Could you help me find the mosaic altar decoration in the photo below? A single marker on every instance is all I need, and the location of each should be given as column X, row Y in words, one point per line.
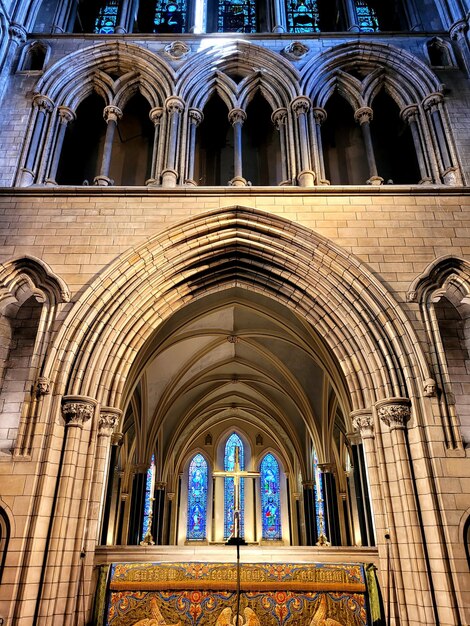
column 204, row 594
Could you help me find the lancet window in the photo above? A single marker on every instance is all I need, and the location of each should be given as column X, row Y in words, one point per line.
column 303, row 16
column 367, row 16
column 236, row 16
column 149, row 494
column 318, row 491
column 197, row 498
column 233, row 442
column 106, row 18
column 270, row 498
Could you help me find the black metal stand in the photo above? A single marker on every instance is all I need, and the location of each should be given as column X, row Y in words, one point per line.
column 237, row 541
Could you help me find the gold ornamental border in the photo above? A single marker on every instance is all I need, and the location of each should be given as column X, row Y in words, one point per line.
column 211, row 585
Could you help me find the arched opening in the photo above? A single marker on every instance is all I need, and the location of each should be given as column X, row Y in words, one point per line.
column 260, row 146
column 34, row 58
column 214, row 145
column 83, row 144
column 394, row 149
column 343, row 146
column 466, row 540
column 19, row 323
column 438, row 52
column 132, row 146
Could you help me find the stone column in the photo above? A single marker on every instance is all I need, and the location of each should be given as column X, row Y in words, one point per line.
column 309, row 512
column 63, row 16
column 108, row 517
column 62, row 549
column 410, row 114
column 195, row 118
column 174, row 108
column 111, row 115
column 459, row 33
column 155, row 116
column 279, row 12
column 301, row 107
column 364, row 116
column 137, row 504
column 351, row 16
column 331, row 503
column 279, row 119
column 42, row 109
column 158, row 512
column 65, row 116
column 17, row 36
column 441, row 137
column 395, row 413
column 320, row 115
column 127, row 10
column 237, row 117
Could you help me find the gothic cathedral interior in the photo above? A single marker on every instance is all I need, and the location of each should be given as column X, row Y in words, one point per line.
column 235, row 312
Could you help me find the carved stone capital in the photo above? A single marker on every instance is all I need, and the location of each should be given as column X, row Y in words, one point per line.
column 174, row 105
column 327, row 468
column 236, row 116
column 364, row 115
column 43, row 386
column 308, row 484
column 319, row 115
column 170, row 495
column 279, row 118
column 409, row 114
column 112, row 113
column 17, row 33
column 177, row 50
column 109, row 417
column 66, row 115
column 77, row 410
column 433, row 101
column 117, row 439
column 160, row 486
column 295, row 50
column 363, row 422
column 300, row 105
column 395, row 412
column 140, row 468
column 196, row 116
column 43, row 103
column 155, row 115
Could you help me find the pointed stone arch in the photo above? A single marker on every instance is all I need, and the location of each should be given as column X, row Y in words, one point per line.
column 350, row 308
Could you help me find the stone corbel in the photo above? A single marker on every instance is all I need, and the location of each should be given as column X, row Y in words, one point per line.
column 77, row 410
column 394, row 412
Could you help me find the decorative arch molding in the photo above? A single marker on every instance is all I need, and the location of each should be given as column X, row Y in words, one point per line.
column 438, row 275
column 272, row 72
column 43, row 282
column 350, row 308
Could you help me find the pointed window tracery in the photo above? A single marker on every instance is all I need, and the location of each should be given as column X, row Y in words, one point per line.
column 229, row 496
column 197, row 498
column 270, row 498
column 303, row 16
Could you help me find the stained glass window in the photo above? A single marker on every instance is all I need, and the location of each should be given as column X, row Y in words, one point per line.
column 170, row 17
column 367, row 16
column 197, row 498
column 229, row 496
column 106, row 18
column 236, row 16
column 319, row 504
column 149, row 487
column 302, row 16
column 270, row 498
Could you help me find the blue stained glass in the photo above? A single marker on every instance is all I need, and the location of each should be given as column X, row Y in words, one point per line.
column 197, row 498
column 302, row 16
column 366, row 16
column 270, row 498
column 229, row 496
column 170, row 17
column 106, row 19
column 319, row 504
column 149, row 483
column 236, row 16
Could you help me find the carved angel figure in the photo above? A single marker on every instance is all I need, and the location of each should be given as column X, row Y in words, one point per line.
column 156, row 618
column 225, row 618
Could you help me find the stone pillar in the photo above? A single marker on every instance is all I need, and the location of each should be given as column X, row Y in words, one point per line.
column 111, row 115
column 309, row 512
column 410, row 114
column 441, row 134
column 361, row 485
column 63, row 16
column 174, row 108
column 195, row 118
column 171, row 534
column 65, row 116
column 331, row 504
column 364, row 116
column 237, row 117
column 108, row 521
column 62, row 547
column 158, row 512
column 127, row 11
column 137, row 504
column 17, row 37
column 155, row 169
column 459, row 33
column 279, row 119
column 319, row 115
column 351, row 16
column 395, row 413
column 42, row 109
column 279, row 14
column 301, row 107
